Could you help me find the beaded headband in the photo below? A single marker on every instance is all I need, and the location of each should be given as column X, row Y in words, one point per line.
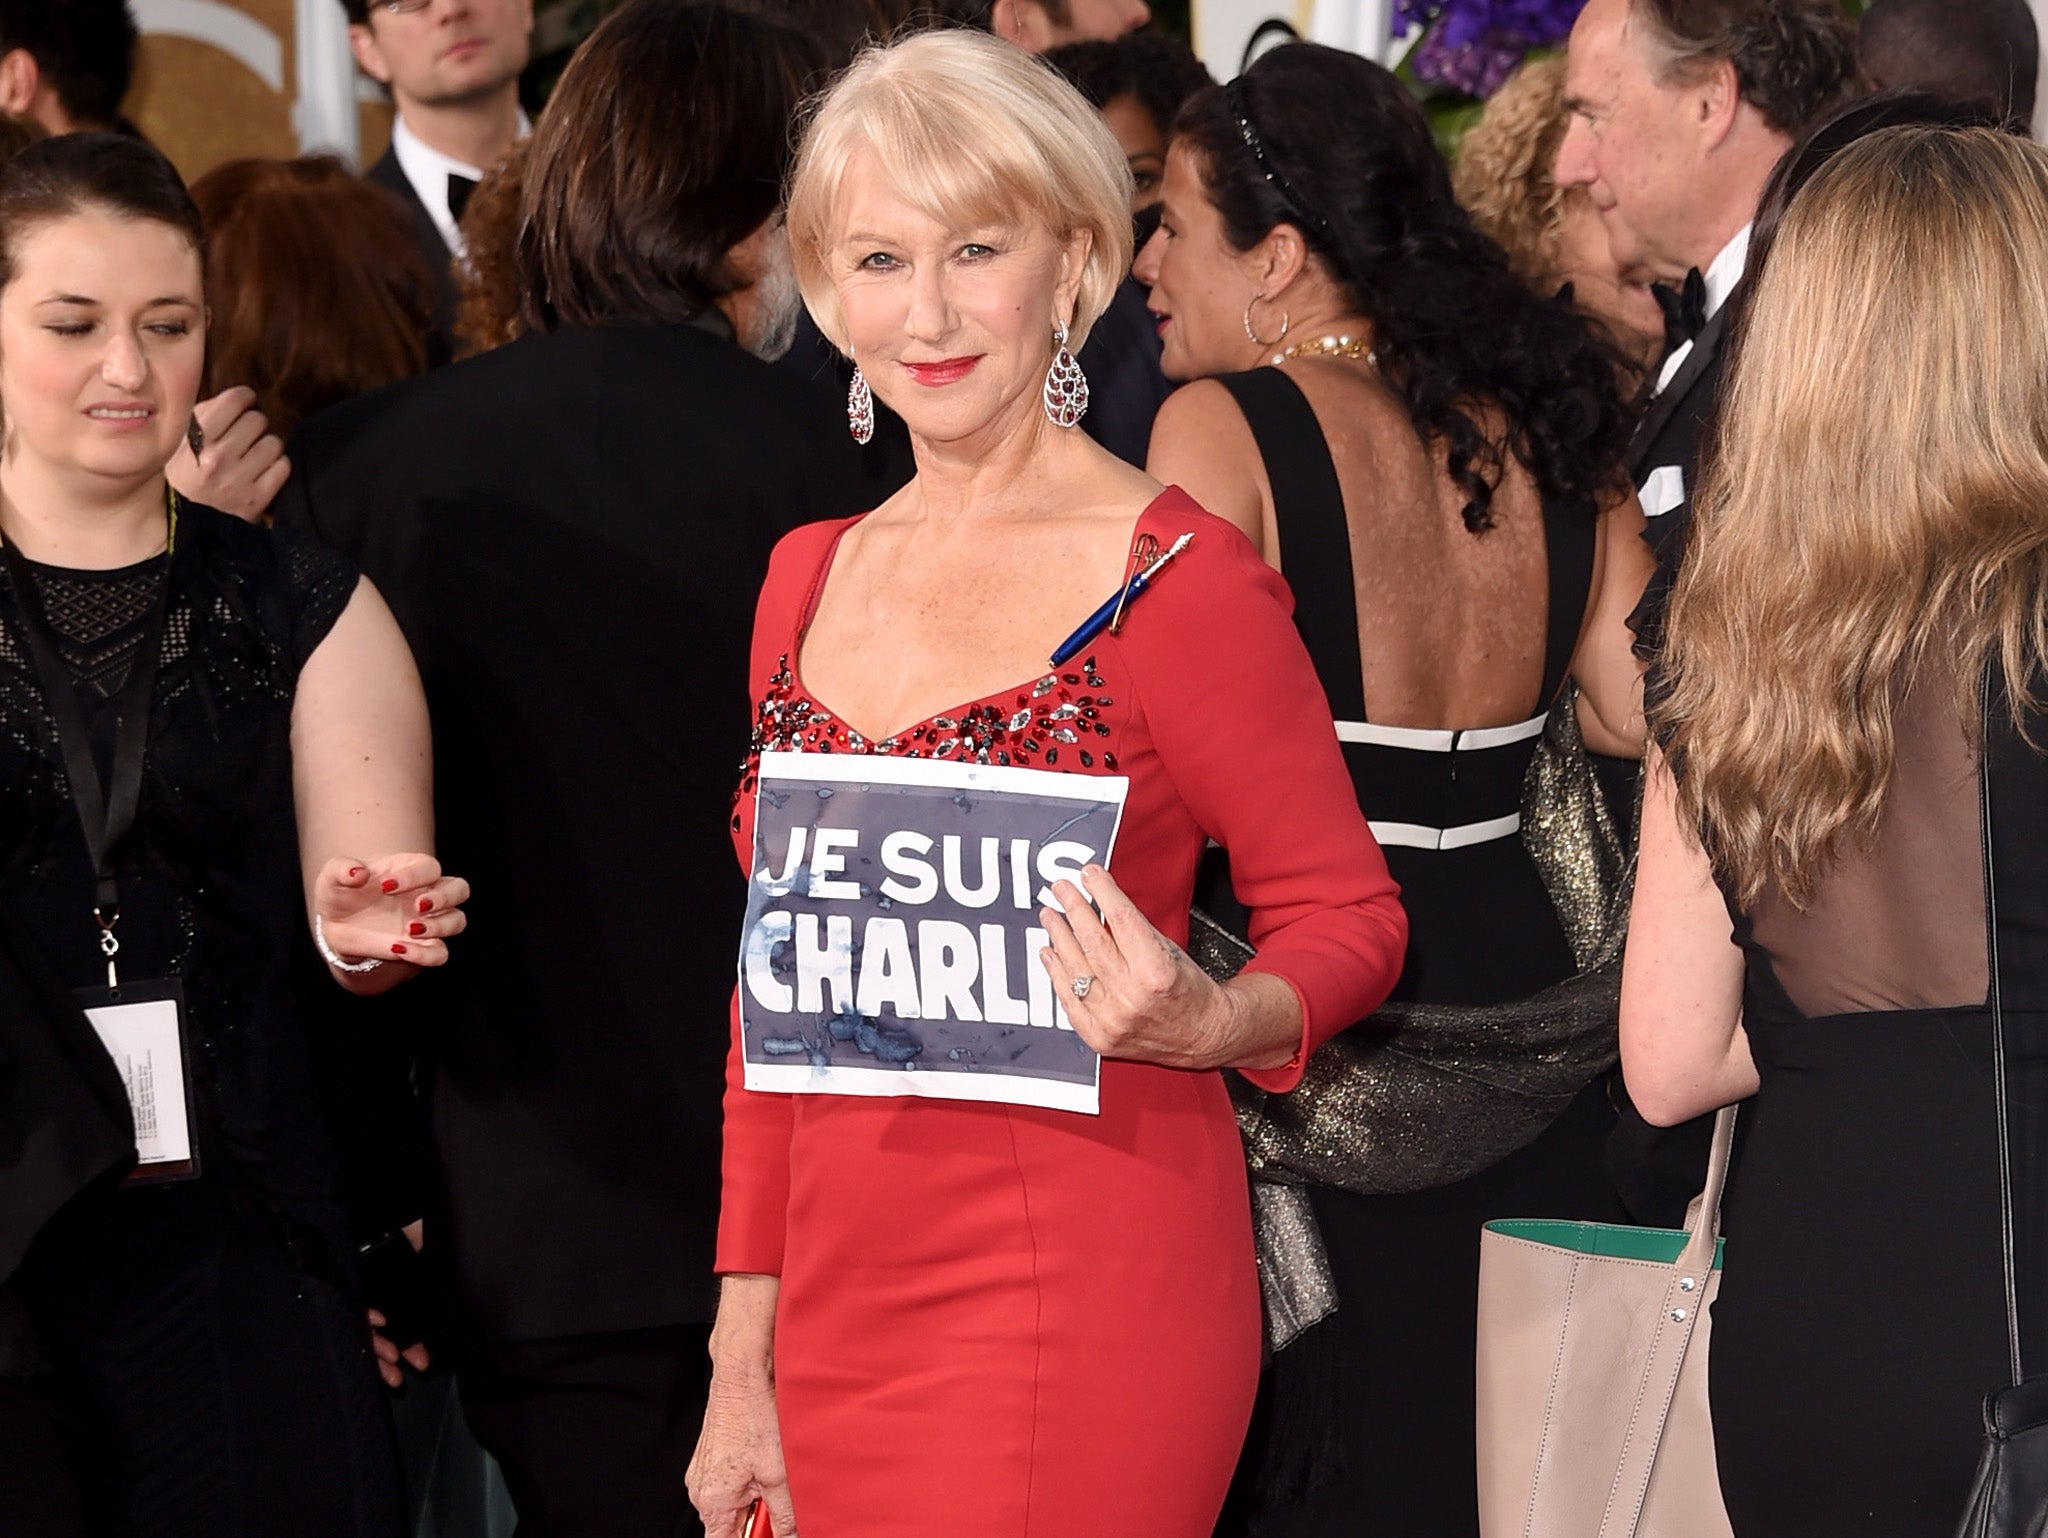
column 1234, row 95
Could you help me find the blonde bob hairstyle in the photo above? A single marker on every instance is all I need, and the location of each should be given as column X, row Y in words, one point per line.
column 972, row 132
column 1879, row 503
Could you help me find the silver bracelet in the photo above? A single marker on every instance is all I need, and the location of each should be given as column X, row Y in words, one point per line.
column 327, row 952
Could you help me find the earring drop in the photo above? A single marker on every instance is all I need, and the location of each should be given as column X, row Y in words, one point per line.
column 1066, row 387
column 860, row 408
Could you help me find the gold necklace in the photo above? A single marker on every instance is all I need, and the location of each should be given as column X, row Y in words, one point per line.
column 1341, row 345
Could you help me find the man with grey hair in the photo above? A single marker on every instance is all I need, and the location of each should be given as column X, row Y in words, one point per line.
column 1680, row 110
column 1985, row 51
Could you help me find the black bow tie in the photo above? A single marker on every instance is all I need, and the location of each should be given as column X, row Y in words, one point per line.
column 1685, row 310
column 459, row 189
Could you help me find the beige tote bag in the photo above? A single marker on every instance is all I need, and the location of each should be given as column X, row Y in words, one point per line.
column 1593, row 1415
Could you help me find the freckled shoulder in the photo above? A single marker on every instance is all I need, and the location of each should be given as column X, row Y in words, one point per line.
column 1201, row 441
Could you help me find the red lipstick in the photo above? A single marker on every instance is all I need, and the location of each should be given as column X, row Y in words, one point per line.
column 946, row 371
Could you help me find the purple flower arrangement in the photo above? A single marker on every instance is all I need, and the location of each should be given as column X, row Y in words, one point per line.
column 1474, row 45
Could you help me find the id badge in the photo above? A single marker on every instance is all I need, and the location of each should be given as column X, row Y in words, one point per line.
column 142, row 1026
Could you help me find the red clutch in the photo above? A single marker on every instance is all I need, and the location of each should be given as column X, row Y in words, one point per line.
column 756, row 1525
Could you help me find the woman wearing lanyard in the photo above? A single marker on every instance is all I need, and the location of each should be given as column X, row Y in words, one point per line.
column 213, row 741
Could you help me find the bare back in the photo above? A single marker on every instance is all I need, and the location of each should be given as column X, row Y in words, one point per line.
column 1452, row 624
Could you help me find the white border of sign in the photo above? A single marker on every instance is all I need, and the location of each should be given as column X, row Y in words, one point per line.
column 847, row 769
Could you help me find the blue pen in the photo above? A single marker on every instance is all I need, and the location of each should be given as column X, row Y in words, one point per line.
column 1122, row 598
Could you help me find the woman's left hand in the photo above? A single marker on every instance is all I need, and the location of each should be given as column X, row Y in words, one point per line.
column 1145, row 1000
column 241, row 465
column 397, row 908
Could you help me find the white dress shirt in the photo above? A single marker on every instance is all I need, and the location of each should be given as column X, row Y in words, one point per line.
column 428, row 170
column 1664, row 487
column 1721, row 276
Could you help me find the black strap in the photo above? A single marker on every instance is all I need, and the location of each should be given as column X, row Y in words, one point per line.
column 106, row 819
column 2012, row 1301
column 1315, row 542
column 1571, row 537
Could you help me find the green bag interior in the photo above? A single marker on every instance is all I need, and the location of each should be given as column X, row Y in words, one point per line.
column 1663, row 1245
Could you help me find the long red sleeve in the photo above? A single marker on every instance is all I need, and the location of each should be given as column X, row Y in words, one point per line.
column 1229, row 695
column 754, row 1168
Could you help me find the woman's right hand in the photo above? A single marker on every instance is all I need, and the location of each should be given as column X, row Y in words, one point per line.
column 739, row 1461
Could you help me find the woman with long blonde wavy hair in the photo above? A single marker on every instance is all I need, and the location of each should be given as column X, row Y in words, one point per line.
column 1858, row 635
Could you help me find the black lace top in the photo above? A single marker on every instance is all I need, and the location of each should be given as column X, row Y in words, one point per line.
column 210, row 882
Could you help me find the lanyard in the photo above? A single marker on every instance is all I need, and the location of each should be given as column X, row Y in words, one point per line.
column 106, row 817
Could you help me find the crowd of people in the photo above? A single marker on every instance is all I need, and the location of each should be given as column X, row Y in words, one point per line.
column 436, row 603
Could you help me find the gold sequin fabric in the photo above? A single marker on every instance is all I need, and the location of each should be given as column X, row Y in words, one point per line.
column 1424, row 1095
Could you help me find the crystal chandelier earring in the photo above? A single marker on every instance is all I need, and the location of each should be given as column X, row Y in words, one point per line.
column 1066, row 387
column 860, row 408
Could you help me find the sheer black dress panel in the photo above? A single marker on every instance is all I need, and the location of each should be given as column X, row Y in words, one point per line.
column 1861, row 1317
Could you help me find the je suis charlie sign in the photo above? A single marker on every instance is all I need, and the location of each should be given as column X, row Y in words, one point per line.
column 892, row 935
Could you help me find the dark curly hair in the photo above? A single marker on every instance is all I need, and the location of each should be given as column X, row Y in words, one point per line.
column 1794, row 59
column 1161, row 71
column 1484, row 365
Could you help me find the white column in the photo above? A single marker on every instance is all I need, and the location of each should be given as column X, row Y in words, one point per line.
column 1224, row 28
column 1362, row 26
column 325, row 112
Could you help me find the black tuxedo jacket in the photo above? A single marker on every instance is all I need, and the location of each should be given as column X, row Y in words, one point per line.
column 1672, row 435
column 1656, row 1171
column 387, row 172
column 572, row 531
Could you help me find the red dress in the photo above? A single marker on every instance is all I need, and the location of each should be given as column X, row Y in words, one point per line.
column 1006, row 1322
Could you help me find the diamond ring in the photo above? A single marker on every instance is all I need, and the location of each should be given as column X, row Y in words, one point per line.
column 1082, row 984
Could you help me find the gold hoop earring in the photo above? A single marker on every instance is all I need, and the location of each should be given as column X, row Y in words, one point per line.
column 1252, row 333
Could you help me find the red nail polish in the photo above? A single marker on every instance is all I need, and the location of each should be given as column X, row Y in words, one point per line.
column 418, row 929
column 398, row 950
column 355, row 872
column 426, row 905
column 391, row 886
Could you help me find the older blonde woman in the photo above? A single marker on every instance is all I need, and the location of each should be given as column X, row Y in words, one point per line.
column 1826, row 747
column 949, row 1303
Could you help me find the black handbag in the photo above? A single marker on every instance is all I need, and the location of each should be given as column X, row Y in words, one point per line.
column 2009, row 1498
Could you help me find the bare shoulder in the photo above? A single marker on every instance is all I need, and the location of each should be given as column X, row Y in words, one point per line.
column 1191, row 417
column 1202, row 443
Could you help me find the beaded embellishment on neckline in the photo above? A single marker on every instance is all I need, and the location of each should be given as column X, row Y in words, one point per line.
column 1053, row 722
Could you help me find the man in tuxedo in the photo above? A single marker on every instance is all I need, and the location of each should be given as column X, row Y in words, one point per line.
column 572, row 530
column 66, row 64
column 452, row 67
column 1679, row 111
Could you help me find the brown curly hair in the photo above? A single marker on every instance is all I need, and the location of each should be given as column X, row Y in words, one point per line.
column 488, row 274
column 1503, row 170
